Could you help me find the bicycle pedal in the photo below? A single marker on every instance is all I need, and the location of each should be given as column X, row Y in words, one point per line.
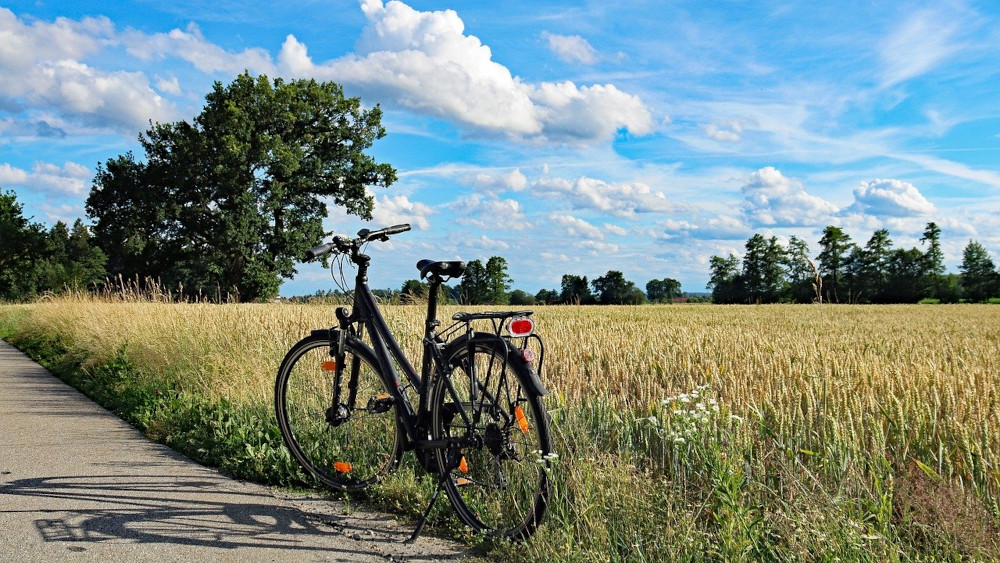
column 463, row 482
column 380, row 403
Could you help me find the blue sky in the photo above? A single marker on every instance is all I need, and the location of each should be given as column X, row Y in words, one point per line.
column 567, row 137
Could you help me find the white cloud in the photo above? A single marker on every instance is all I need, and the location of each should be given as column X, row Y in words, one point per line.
column 169, row 85
column 399, row 209
column 721, row 227
column 576, row 227
column 490, row 214
column 11, row 176
column 571, row 48
column 512, row 181
column 892, row 198
column 622, row 200
column 615, row 229
column 729, row 132
column 192, row 46
column 922, row 41
column 47, row 58
column 771, row 199
column 70, row 179
column 426, row 62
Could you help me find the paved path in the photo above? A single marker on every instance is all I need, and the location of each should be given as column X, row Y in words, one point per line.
column 78, row 483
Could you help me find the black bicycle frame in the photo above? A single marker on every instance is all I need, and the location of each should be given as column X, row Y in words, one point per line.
column 366, row 313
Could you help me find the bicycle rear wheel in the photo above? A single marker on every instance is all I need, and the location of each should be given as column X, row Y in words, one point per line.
column 345, row 446
column 497, row 478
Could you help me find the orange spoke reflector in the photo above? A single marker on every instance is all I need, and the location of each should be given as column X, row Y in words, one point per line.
column 463, row 466
column 462, row 481
column 342, row 466
column 329, row 366
column 522, row 420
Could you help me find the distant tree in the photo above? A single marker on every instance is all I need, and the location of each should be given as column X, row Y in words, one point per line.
column 663, row 291
column 932, row 270
column 836, row 247
column 414, row 288
column 763, row 273
column 979, row 275
column 725, row 281
column 73, row 261
column 497, row 281
column 799, row 272
column 547, row 296
column 613, row 289
column 519, row 297
column 234, row 198
column 22, row 245
column 473, row 288
column 874, row 268
column 904, row 272
column 575, row 290
column 485, row 284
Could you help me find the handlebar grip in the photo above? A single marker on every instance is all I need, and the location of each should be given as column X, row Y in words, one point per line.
column 402, row 228
column 317, row 251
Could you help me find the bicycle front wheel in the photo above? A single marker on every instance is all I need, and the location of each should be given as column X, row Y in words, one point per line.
column 497, row 468
column 346, row 445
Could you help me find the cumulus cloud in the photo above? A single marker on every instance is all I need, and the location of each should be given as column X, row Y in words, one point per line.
column 70, row 179
column 47, row 59
column 720, row 227
column 771, row 199
column 512, row 181
column 391, row 210
column 623, row 200
column 191, row 45
column 729, row 132
column 571, row 48
column 489, row 214
column 890, row 198
column 574, row 226
column 426, row 62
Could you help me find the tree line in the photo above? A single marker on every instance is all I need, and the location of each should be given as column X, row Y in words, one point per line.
column 490, row 284
column 846, row 272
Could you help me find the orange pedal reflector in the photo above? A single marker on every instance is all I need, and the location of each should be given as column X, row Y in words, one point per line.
column 462, row 481
column 522, row 420
column 342, row 466
column 463, row 466
column 329, row 366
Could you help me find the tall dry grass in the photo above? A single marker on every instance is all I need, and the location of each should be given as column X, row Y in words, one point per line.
column 849, row 431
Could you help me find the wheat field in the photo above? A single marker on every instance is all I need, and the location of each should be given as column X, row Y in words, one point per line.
column 783, row 432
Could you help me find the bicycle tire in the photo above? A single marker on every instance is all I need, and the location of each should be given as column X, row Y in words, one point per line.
column 501, row 486
column 365, row 446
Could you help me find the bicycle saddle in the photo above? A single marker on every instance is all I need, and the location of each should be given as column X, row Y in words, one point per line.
column 451, row 269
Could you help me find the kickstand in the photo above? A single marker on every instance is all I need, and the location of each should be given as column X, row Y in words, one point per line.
column 427, row 512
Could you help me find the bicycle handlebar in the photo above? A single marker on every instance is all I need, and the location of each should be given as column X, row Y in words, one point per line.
column 343, row 244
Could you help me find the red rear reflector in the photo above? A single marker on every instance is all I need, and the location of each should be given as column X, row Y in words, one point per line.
column 329, row 366
column 522, row 420
column 521, row 326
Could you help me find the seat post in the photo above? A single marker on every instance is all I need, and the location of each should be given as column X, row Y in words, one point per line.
column 434, row 285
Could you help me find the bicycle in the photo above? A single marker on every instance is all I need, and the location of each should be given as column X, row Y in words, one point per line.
column 479, row 422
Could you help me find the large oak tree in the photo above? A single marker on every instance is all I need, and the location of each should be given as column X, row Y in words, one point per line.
column 230, row 201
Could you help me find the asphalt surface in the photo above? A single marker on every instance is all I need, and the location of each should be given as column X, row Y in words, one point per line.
column 78, row 483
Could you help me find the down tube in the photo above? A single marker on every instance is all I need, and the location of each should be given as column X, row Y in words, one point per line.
column 383, row 339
